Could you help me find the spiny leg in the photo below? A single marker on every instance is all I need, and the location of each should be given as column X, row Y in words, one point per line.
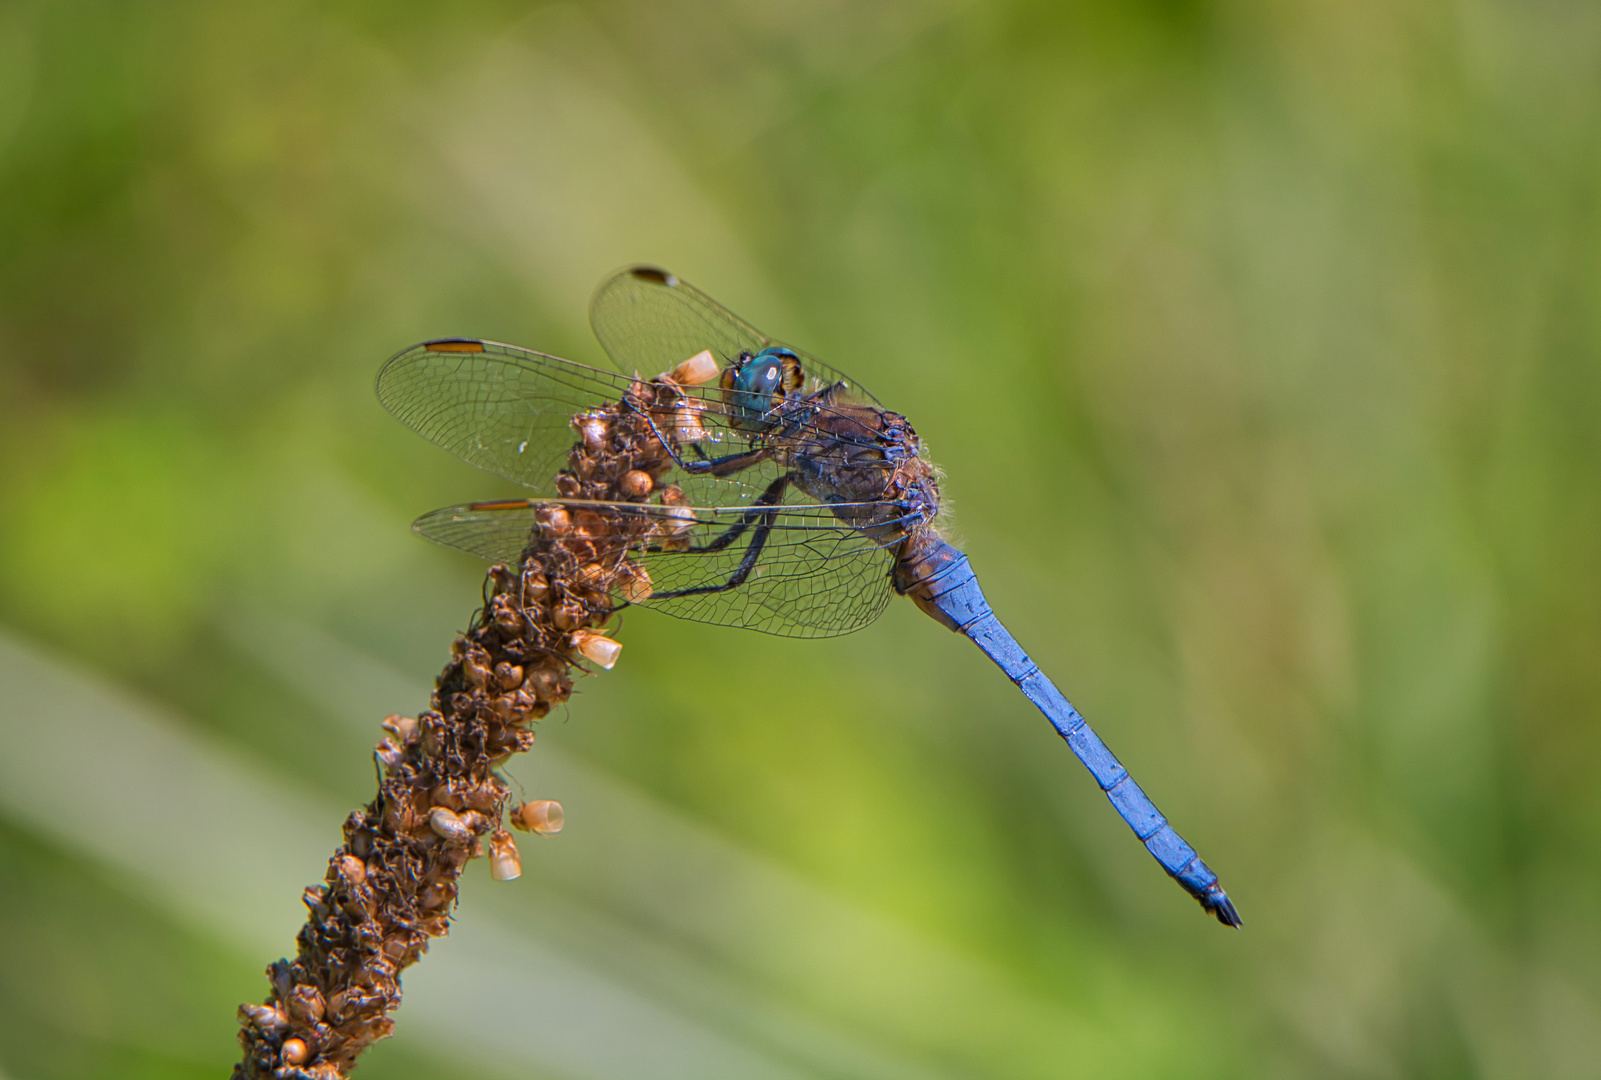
column 726, row 465
column 769, row 509
column 771, row 497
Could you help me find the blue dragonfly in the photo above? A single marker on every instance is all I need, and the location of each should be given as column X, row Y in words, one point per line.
column 785, row 497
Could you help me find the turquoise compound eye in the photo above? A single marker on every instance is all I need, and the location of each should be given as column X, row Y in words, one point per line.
column 754, row 387
column 760, row 378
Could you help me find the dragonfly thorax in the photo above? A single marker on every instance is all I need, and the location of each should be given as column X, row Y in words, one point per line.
column 868, row 464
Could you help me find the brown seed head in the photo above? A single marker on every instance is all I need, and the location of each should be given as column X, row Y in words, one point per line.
column 553, row 520
column 296, row 1052
column 265, row 1017
column 635, row 483
column 353, row 870
column 449, row 826
column 306, row 1005
column 389, row 755
column 509, row 676
column 593, row 430
column 637, row 587
column 569, row 615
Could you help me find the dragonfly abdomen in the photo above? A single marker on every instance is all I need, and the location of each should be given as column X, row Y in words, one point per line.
column 940, row 581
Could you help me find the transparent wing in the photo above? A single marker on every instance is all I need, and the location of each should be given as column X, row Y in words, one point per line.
column 648, row 320
column 805, row 573
column 509, row 410
column 504, row 409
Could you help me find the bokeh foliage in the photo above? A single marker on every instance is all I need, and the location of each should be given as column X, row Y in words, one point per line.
column 1258, row 343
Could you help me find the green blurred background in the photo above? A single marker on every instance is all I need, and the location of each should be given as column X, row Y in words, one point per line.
column 1258, row 343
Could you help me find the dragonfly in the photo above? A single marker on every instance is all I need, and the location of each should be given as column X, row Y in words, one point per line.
column 788, row 500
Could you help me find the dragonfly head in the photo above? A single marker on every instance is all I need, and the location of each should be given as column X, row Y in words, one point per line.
column 756, row 384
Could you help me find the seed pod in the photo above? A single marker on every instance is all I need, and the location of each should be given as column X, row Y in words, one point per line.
column 513, row 707
column 403, row 728
column 593, row 430
column 553, row 520
column 448, row 826
column 696, row 371
column 686, row 423
column 504, row 863
column 483, row 797
column 296, row 1052
column 635, row 483
column 264, row 1017
column 597, row 648
column 436, row 895
column 509, row 622
column 535, row 588
column 353, row 870
column 389, row 755
column 360, row 836
column 306, row 1005
column 509, row 676
column 543, row 816
column 315, row 898
column 569, row 615
column 475, row 668
column 637, row 587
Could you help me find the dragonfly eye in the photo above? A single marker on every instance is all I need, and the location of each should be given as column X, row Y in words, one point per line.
column 755, row 384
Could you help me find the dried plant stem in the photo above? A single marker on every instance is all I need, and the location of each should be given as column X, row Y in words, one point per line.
column 392, row 884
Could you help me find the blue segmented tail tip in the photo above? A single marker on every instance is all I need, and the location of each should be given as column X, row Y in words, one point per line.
column 1218, row 903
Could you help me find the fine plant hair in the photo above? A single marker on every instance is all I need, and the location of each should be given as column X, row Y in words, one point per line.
column 391, row 886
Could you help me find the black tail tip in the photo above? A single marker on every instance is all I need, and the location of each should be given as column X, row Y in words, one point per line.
column 1222, row 907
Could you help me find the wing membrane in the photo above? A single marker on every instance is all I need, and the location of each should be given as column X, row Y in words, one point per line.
column 814, row 576
column 648, row 320
column 509, row 411
column 504, row 409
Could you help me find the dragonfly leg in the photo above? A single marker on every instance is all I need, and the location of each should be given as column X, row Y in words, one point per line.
column 726, row 465
column 771, row 497
column 765, row 509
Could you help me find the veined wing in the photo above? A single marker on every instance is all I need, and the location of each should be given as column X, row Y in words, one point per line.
column 509, row 410
column 504, row 409
column 812, row 575
column 648, row 320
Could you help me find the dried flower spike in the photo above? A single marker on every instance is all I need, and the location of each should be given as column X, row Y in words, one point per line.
column 389, row 887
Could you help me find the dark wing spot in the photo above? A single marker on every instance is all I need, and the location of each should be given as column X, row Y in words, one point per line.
column 454, row 344
column 653, row 274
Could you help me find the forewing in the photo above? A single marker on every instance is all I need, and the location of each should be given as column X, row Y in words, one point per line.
column 650, row 321
column 499, row 407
